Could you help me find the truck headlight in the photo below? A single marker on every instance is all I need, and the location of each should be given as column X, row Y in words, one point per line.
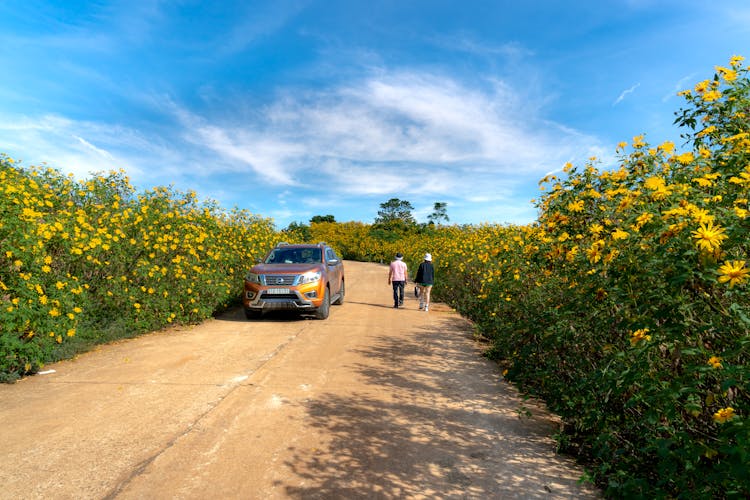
column 253, row 278
column 310, row 277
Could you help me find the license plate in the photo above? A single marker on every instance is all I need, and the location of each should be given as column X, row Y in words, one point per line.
column 278, row 291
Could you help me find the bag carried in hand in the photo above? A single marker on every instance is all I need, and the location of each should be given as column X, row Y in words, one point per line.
column 416, row 291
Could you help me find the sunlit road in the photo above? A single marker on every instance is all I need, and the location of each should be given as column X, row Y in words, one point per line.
column 371, row 403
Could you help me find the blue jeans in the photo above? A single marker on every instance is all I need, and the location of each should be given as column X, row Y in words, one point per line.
column 398, row 292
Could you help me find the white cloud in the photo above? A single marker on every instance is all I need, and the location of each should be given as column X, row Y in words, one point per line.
column 98, row 151
column 419, row 136
column 264, row 155
column 625, row 93
column 59, row 142
column 403, row 132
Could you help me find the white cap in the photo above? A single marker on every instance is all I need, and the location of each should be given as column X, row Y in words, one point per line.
column 427, row 257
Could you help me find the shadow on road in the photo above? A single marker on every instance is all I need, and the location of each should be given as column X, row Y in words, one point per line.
column 386, row 306
column 237, row 314
column 448, row 427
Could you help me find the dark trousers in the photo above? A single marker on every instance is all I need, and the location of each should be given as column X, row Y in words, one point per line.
column 398, row 292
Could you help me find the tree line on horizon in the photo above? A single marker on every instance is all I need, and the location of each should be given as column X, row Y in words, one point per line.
column 395, row 217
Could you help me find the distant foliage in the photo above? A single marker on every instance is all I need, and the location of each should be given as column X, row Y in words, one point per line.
column 86, row 262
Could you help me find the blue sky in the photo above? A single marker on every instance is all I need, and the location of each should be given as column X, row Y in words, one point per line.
column 295, row 108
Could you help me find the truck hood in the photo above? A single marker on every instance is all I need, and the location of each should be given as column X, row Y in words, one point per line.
column 285, row 268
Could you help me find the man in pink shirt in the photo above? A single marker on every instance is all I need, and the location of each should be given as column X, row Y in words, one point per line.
column 397, row 278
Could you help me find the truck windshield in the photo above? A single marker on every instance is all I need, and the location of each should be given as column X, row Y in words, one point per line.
column 294, row 256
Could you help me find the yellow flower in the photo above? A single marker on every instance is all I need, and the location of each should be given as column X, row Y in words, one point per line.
column 724, row 415
column 708, row 130
column 709, row 237
column 685, row 158
column 654, row 183
column 736, row 60
column 728, row 74
column 667, row 147
column 619, row 234
column 703, row 182
column 700, row 215
column 712, row 95
column 576, row 206
column 744, row 178
column 733, row 271
column 643, row 219
column 639, row 335
column 701, row 87
column 715, row 361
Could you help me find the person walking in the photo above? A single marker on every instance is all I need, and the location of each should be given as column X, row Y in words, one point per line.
column 397, row 278
column 425, row 278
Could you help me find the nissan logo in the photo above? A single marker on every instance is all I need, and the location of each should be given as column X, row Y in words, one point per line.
column 279, row 281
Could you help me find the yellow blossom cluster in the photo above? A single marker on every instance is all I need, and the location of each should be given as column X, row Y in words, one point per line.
column 715, row 361
column 639, row 336
column 95, row 249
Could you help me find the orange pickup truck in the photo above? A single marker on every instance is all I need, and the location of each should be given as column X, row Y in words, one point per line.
column 304, row 278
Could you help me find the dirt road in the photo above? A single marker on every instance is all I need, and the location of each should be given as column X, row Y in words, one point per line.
column 372, row 403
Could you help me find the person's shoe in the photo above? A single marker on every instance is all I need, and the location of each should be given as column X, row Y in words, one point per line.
column 421, row 306
column 400, row 302
column 426, row 308
column 395, row 306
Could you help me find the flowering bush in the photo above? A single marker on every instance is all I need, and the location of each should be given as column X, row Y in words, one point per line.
column 84, row 262
column 627, row 310
column 626, row 305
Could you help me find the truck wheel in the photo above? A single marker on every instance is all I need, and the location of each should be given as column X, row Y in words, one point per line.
column 322, row 311
column 340, row 299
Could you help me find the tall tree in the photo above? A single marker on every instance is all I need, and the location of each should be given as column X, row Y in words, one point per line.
column 439, row 213
column 395, row 212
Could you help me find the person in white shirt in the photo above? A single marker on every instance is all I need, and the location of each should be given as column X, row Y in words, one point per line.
column 425, row 279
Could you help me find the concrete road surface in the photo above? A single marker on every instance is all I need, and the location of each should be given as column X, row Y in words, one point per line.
column 372, row 403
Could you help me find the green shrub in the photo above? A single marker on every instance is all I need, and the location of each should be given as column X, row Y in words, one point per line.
column 87, row 262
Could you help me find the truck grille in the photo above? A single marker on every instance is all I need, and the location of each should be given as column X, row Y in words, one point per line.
column 279, row 279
